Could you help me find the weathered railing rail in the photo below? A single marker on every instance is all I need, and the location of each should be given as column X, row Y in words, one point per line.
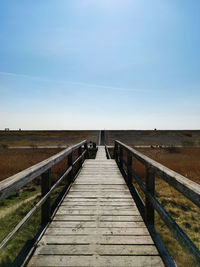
column 188, row 188
column 15, row 182
column 107, row 152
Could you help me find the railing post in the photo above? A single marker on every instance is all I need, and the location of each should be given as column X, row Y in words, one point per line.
column 129, row 167
column 115, row 152
column 45, row 187
column 86, row 148
column 150, row 187
column 121, row 156
column 79, row 154
column 71, row 174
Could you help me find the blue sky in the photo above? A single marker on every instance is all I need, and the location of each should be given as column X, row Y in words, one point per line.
column 95, row 64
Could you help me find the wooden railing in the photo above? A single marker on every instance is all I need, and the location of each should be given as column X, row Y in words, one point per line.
column 107, row 152
column 186, row 187
column 15, row 182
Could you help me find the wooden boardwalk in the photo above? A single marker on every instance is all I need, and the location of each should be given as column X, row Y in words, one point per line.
column 97, row 224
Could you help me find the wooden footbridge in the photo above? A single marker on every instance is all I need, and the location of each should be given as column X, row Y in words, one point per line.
column 100, row 220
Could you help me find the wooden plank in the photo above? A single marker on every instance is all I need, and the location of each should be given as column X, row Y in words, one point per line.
column 99, row 249
column 102, row 218
column 107, row 201
column 100, row 231
column 98, row 224
column 81, row 190
column 105, row 240
column 73, row 224
column 125, row 200
column 115, row 261
column 128, row 197
column 64, row 211
column 99, row 186
column 128, row 261
column 99, row 194
column 100, row 182
column 92, row 201
column 104, row 206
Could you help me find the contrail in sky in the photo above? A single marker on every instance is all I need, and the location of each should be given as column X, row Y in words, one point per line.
column 74, row 83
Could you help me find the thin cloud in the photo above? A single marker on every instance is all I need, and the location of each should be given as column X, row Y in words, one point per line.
column 108, row 87
column 11, row 74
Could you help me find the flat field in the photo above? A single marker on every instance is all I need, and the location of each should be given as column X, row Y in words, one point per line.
column 13, row 161
column 185, row 161
column 46, row 138
column 151, row 137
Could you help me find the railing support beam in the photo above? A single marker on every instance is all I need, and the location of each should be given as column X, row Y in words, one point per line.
column 79, row 154
column 121, row 157
column 71, row 174
column 46, row 207
column 116, row 152
column 129, row 167
column 87, row 153
column 150, row 187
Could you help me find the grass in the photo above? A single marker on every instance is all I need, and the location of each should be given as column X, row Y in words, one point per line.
column 151, row 137
column 16, row 160
column 25, row 194
column 183, row 160
column 186, row 214
column 27, row 233
column 20, row 161
column 45, row 138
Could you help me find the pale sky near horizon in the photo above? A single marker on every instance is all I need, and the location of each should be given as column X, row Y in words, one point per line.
column 100, row 64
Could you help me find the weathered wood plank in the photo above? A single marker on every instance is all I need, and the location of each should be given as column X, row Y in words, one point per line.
column 108, row 207
column 98, row 224
column 100, row 231
column 109, row 190
column 64, row 211
column 117, row 250
column 95, row 186
column 115, row 261
column 102, row 218
column 107, row 201
column 105, row 240
column 93, row 224
column 102, row 203
column 103, row 181
column 99, row 194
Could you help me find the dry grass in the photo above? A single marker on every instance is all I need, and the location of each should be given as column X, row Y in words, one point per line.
column 151, row 137
column 186, row 162
column 15, row 160
column 46, row 138
column 21, row 202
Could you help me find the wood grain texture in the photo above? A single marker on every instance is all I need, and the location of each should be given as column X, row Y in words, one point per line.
column 97, row 224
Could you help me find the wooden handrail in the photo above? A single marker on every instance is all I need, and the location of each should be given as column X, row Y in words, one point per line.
column 107, row 152
column 188, row 188
column 15, row 182
column 185, row 186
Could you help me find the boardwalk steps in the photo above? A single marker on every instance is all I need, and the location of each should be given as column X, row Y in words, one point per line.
column 97, row 224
